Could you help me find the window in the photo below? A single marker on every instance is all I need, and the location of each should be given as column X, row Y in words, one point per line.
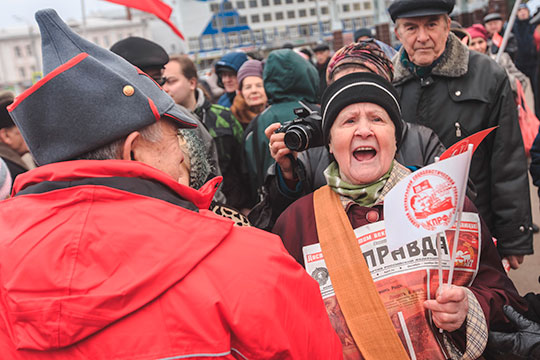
column 267, row 17
column 313, row 12
column 265, row 2
column 300, row 1
column 193, row 43
column 367, row 6
column 291, row 14
column 29, row 51
column 293, row 31
column 214, row 8
column 326, row 27
column 242, row 20
column 255, row 18
column 347, row 24
column 324, row 10
column 252, row 3
column 277, row 2
column 279, row 15
column 356, row 6
column 304, row 30
column 232, row 39
column 227, row 5
column 302, row 13
column 259, row 38
column 246, row 37
column 230, row 21
column 346, row 7
column 288, row 1
column 207, row 42
column 240, row 5
column 22, row 72
column 106, row 41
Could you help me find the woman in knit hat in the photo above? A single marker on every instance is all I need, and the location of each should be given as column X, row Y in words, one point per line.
column 338, row 235
column 251, row 98
column 479, row 42
column 420, row 144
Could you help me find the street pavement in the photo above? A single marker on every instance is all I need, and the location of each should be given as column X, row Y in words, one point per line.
column 526, row 278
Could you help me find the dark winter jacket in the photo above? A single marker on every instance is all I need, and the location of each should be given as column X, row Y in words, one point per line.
column 465, row 93
column 419, row 147
column 288, row 80
column 526, row 55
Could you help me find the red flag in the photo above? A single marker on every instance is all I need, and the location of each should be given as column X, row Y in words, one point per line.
column 461, row 146
column 156, row 7
column 497, row 39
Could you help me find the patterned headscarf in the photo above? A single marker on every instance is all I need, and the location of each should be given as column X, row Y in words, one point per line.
column 366, row 53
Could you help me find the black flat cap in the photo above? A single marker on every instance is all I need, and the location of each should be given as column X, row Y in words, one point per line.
column 414, row 8
column 141, row 52
column 491, row 17
column 321, row 47
column 6, row 98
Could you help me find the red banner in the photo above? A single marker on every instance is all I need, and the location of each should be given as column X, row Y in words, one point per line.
column 461, row 146
column 156, row 7
column 497, row 39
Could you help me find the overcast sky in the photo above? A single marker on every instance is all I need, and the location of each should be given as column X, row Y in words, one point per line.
column 19, row 12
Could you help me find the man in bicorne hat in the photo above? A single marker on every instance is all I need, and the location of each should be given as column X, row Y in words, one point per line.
column 106, row 256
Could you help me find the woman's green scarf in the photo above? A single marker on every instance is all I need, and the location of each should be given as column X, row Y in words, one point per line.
column 363, row 195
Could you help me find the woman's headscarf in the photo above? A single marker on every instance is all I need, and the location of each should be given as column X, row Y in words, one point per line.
column 367, row 54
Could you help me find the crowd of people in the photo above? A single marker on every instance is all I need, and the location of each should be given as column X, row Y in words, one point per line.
column 150, row 213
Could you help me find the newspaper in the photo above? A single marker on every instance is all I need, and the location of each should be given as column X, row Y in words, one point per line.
column 406, row 276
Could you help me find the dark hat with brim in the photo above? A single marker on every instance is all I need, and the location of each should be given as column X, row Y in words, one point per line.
column 360, row 87
column 492, row 17
column 141, row 52
column 89, row 97
column 415, row 8
column 321, row 47
column 6, row 99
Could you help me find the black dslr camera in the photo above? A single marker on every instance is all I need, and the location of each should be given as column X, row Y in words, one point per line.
column 304, row 132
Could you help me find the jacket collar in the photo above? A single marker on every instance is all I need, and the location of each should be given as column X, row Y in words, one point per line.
column 454, row 62
column 73, row 171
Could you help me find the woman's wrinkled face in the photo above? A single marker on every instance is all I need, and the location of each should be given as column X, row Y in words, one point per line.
column 363, row 142
column 478, row 44
column 253, row 91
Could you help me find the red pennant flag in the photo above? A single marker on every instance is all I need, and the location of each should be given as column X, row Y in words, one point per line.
column 156, row 7
column 461, row 146
column 497, row 39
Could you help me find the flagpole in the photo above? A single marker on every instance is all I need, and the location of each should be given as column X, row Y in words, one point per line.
column 460, row 212
column 508, row 30
column 83, row 11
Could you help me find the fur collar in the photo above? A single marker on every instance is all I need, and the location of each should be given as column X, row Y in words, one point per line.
column 455, row 61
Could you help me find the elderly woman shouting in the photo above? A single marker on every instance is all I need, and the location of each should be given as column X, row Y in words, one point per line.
column 382, row 304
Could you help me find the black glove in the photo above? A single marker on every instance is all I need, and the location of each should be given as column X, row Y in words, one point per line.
column 524, row 343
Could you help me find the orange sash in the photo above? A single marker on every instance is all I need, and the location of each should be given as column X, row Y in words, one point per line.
column 356, row 293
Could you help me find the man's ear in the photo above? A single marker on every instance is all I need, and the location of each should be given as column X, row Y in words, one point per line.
column 193, row 84
column 4, row 135
column 131, row 143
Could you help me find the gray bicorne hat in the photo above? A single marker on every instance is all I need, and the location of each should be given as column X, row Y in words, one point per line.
column 89, row 97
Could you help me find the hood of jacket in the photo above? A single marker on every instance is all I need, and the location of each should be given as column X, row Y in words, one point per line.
column 87, row 256
column 455, row 62
column 288, row 77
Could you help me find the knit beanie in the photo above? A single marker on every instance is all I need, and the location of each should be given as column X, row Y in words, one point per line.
column 5, row 180
column 367, row 54
column 360, row 87
column 477, row 31
column 249, row 68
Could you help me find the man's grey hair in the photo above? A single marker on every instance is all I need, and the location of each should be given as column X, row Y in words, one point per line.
column 151, row 133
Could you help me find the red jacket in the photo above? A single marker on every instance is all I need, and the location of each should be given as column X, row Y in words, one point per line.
column 110, row 259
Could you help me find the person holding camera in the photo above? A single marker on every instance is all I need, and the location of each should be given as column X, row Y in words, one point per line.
column 297, row 172
column 290, row 82
column 362, row 128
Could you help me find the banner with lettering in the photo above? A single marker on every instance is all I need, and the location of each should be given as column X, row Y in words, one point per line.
column 405, row 278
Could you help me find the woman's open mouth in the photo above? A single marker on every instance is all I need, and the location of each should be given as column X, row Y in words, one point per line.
column 364, row 153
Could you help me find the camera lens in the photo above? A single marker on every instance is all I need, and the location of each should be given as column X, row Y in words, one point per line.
column 296, row 138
